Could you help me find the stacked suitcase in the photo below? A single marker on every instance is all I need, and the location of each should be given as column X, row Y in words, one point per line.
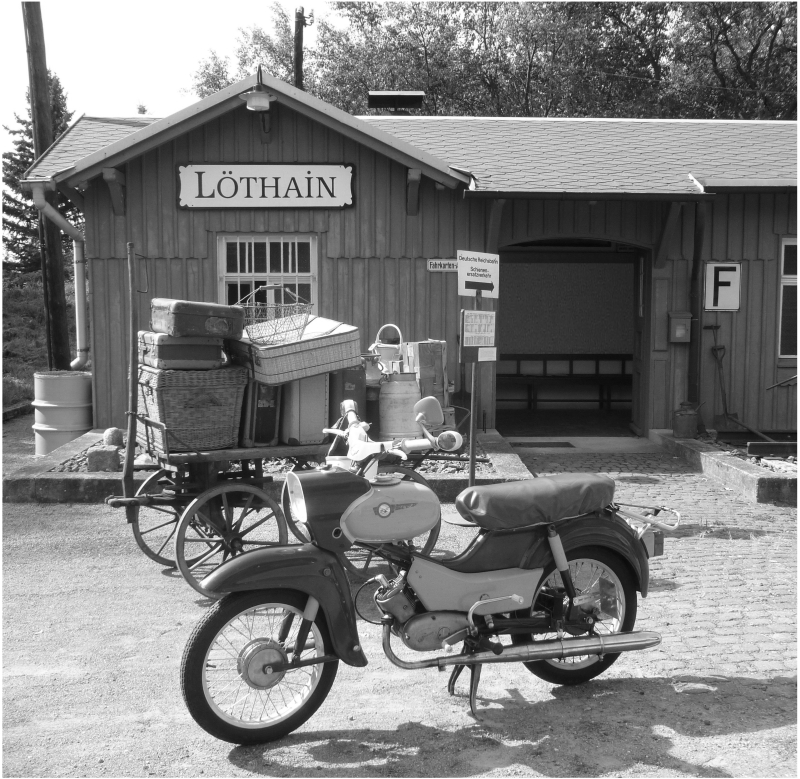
column 184, row 383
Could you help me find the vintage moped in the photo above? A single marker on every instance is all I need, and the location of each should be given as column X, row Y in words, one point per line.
column 550, row 580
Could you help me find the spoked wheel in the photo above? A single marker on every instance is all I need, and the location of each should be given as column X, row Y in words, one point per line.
column 223, row 522
column 363, row 563
column 154, row 526
column 603, row 576
column 233, row 673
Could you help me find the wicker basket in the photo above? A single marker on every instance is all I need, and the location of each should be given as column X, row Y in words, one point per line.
column 201, row 408
column 274, row 324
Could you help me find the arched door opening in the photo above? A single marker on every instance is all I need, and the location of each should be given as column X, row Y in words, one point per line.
column 567, row 333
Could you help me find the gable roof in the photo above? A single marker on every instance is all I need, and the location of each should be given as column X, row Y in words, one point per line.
column 120, row 149
column 637, row 157
column 84, row 136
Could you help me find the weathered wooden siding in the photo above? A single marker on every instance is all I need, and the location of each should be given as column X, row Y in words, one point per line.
column 372, row 269
column 371, row 258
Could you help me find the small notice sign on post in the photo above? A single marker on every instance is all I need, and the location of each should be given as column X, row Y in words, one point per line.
column 477, row 336
column 478, row 272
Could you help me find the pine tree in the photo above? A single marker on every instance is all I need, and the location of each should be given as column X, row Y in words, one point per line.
column 20, row 217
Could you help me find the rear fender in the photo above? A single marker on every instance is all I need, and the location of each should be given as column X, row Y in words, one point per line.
column 305, row 569
column 602, row 529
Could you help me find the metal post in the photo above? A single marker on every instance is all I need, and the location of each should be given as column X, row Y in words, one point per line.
column 473, row 402
column 299, row 23
column 133, row 376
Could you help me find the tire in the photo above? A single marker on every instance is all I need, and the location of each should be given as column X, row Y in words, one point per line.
column 154, row 526
column 224, row 522
column 588, row 565
column 251, row 708
column 362, row 564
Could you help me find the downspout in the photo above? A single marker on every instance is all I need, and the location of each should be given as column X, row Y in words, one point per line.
column 79, row 265
column 695, row 306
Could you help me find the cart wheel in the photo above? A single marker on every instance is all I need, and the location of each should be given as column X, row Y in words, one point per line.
column 364, row 564
column 154, row 526
column 223, row 522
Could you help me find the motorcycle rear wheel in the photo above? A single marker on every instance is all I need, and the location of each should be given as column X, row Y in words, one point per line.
column 223, row 679
column 588, row 566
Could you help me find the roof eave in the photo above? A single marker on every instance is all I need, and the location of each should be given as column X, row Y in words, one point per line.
column 724, row 186
column 549, row 194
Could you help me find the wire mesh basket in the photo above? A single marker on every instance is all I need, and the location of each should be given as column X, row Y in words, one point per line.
column 274, row 323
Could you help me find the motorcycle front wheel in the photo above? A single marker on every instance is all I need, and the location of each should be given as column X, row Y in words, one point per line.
column 604, row 576
column 227, row 678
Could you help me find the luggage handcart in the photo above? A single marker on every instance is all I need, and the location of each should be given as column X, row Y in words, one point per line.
column 200, row 507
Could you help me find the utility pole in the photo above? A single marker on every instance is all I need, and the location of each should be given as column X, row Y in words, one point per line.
column 300, row 21
column 52, row 256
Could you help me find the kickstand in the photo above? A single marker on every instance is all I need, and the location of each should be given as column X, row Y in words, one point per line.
column 451, row 684
column 474, row 679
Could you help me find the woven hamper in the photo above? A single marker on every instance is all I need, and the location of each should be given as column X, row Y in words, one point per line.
column 201, row 408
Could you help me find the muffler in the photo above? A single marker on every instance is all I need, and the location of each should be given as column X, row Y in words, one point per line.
column 552, row 649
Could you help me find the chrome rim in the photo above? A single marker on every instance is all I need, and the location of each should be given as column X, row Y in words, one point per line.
column 596, row 580
column 239, row 682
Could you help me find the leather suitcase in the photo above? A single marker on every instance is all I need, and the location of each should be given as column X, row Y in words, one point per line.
column 347, row 383
column 170, row 353
column 304, row 410
column 183, row 318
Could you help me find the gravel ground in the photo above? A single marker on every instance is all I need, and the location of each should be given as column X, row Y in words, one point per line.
column 93, row 634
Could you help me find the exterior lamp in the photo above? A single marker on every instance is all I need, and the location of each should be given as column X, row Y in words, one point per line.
column 258, row 99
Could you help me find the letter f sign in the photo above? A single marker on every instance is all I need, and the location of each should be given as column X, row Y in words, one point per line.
column 722, row 287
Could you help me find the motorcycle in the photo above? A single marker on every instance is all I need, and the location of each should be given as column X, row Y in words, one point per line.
column 549, row 581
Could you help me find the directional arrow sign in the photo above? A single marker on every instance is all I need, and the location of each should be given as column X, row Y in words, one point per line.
column 478, row 271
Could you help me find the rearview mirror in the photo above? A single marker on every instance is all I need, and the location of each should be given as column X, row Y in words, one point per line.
column 432, row 410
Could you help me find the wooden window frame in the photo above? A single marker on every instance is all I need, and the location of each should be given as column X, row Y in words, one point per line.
column 786, row 360
column 224, row 276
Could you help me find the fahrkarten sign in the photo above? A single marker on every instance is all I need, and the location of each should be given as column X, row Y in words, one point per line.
column 265, row 186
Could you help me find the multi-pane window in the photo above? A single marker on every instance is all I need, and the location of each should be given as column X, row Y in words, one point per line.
column 252, row 262
column 788, row 322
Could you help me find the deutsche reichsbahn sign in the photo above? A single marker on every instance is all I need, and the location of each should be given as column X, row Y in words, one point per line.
column 265, row 186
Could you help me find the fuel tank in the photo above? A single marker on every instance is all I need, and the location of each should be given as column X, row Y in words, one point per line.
column 392, row 510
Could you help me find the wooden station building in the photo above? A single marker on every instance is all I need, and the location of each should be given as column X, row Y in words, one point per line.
column 600, row 224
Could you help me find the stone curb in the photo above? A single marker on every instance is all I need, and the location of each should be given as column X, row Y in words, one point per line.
column 35, row 484
column 749, row 480
column 17, row 410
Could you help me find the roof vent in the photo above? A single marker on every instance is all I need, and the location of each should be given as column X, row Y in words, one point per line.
column 396, row 102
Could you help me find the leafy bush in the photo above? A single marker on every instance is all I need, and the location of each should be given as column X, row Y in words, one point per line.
column 24, row 335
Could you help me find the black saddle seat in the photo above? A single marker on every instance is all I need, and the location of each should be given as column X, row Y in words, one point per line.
column 535, row 501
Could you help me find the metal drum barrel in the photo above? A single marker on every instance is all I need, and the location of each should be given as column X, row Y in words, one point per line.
column 398, row 395
column 63, row 408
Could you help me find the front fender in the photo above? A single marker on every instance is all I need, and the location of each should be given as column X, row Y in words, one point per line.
column 304, row 568
column 600, row 529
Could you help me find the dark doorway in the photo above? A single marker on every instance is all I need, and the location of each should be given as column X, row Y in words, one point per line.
column 566, row 336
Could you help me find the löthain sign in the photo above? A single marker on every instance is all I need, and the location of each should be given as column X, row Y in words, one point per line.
column 478, row 272
column 265, row 186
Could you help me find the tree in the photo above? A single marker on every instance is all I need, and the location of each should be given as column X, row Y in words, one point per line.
column 609, row 59
column 20, row 217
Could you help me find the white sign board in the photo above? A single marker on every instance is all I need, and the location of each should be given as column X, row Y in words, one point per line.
column 265, row 186
column 443, row 265
column 723, row 285
column 478, row 328
column 478, row 271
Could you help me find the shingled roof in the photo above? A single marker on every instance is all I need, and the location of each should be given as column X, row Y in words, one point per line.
column 82, row 138
column 613, row 156
column 567, row 157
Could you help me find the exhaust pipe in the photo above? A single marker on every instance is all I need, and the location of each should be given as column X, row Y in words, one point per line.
column 554, row 649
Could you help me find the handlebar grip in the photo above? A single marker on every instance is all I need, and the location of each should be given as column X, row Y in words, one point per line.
column 415, row 445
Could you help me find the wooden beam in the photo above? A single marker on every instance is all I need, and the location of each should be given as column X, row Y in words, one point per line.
column 412, row 191
column 74, row 197
column 495, row 218
column 116, row 186
column 670, row 223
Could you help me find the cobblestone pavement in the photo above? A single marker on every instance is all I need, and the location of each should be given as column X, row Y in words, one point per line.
column 93, row 633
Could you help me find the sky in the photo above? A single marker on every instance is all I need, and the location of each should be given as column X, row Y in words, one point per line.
column 112, row 56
